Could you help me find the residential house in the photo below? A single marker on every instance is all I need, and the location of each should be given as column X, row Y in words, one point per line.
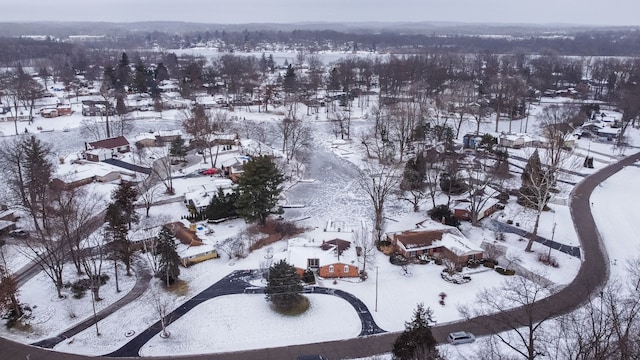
column 106, row 148
column 517, row 141
column 200, row 196
column 600, row 129
column 462, row 208
column 234, row 167
column 334, row 258
column 192, row 249
column 443, row 242
column 82, row 172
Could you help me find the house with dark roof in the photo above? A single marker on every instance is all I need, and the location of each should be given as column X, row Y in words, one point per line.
column 106, row 149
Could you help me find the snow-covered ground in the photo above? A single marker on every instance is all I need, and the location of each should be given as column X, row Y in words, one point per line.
column 332, row 196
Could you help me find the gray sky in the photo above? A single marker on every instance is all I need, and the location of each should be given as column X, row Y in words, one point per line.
column 587, row 12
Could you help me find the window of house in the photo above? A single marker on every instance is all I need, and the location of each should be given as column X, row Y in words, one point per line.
column 346, row 269
column 331, row 269
column 313, row 263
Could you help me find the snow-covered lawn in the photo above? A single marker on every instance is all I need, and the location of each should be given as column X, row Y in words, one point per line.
column 246, row 321
column 238, row 322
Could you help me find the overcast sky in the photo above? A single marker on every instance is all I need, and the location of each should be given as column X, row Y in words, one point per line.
column 587, row 12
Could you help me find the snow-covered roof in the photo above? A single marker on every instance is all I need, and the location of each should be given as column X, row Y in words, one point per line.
column 429, row 238
column 301, row 249
column 82, row 169
column 200, row 196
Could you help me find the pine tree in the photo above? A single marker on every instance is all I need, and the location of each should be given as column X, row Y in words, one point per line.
column 177, row 148
column 416, row 341
column 414, row 180
column 222, row 206
column 534, row 191
column 284, row 286
column 168, row 269
column 289, row 82
column 258, row 189
column 124, row 197
column 119, row 217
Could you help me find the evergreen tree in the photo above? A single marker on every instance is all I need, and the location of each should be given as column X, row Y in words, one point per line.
column 139, row 83
column 258, row 189
column 413, row 182
column 119, row 217
column 441, row 212
column 413, row 177
column 177, row 148
column 161, row 73
column 289, row 82
column 284, row 286
column 168, row 266
column 416, row 341
column 534, row 192
column 222, row 206
column 118, row 230
column 122, row 74
column 124, row 198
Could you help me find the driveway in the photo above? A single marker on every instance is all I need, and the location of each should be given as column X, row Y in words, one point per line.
column 591, row 277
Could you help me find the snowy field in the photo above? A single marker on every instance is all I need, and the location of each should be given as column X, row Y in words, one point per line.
column 331, row 196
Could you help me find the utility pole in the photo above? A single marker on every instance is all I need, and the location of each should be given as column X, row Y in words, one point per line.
column 553, row 232
column 376, row 289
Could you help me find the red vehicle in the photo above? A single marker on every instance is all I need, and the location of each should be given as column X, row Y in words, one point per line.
column 209, row 171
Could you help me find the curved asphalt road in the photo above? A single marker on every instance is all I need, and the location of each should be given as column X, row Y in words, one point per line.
column 592, row 276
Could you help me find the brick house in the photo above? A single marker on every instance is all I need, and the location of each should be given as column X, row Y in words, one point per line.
column 330, row 259
column 445, row 242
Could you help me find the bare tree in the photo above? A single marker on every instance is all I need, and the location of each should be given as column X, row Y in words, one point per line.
column 299, row 139
column 94, row 247
column 161, row 168
column 378, row 181
column 526, row 332
column 162, row 305
column 149, row 192
column 606, row 327
column 122, row 124
column 365, row 248
column 76, row 218
column 479, row 190
column 93, row 128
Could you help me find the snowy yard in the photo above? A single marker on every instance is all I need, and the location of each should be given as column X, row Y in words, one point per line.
column 246, row 322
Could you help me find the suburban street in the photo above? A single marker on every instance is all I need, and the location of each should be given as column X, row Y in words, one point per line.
column 592, row 275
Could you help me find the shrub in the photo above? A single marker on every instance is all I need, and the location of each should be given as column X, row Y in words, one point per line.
column 502, row 271
column 286, row 228
column 80, row 287
column 308, row 277
column 490, row 263
column 548, row 260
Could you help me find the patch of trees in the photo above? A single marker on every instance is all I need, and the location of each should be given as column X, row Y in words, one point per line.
column 21, row 49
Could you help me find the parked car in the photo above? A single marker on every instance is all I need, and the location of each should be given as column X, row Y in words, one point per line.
column 18, row 233
column 209, row 171
column 460, row 337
